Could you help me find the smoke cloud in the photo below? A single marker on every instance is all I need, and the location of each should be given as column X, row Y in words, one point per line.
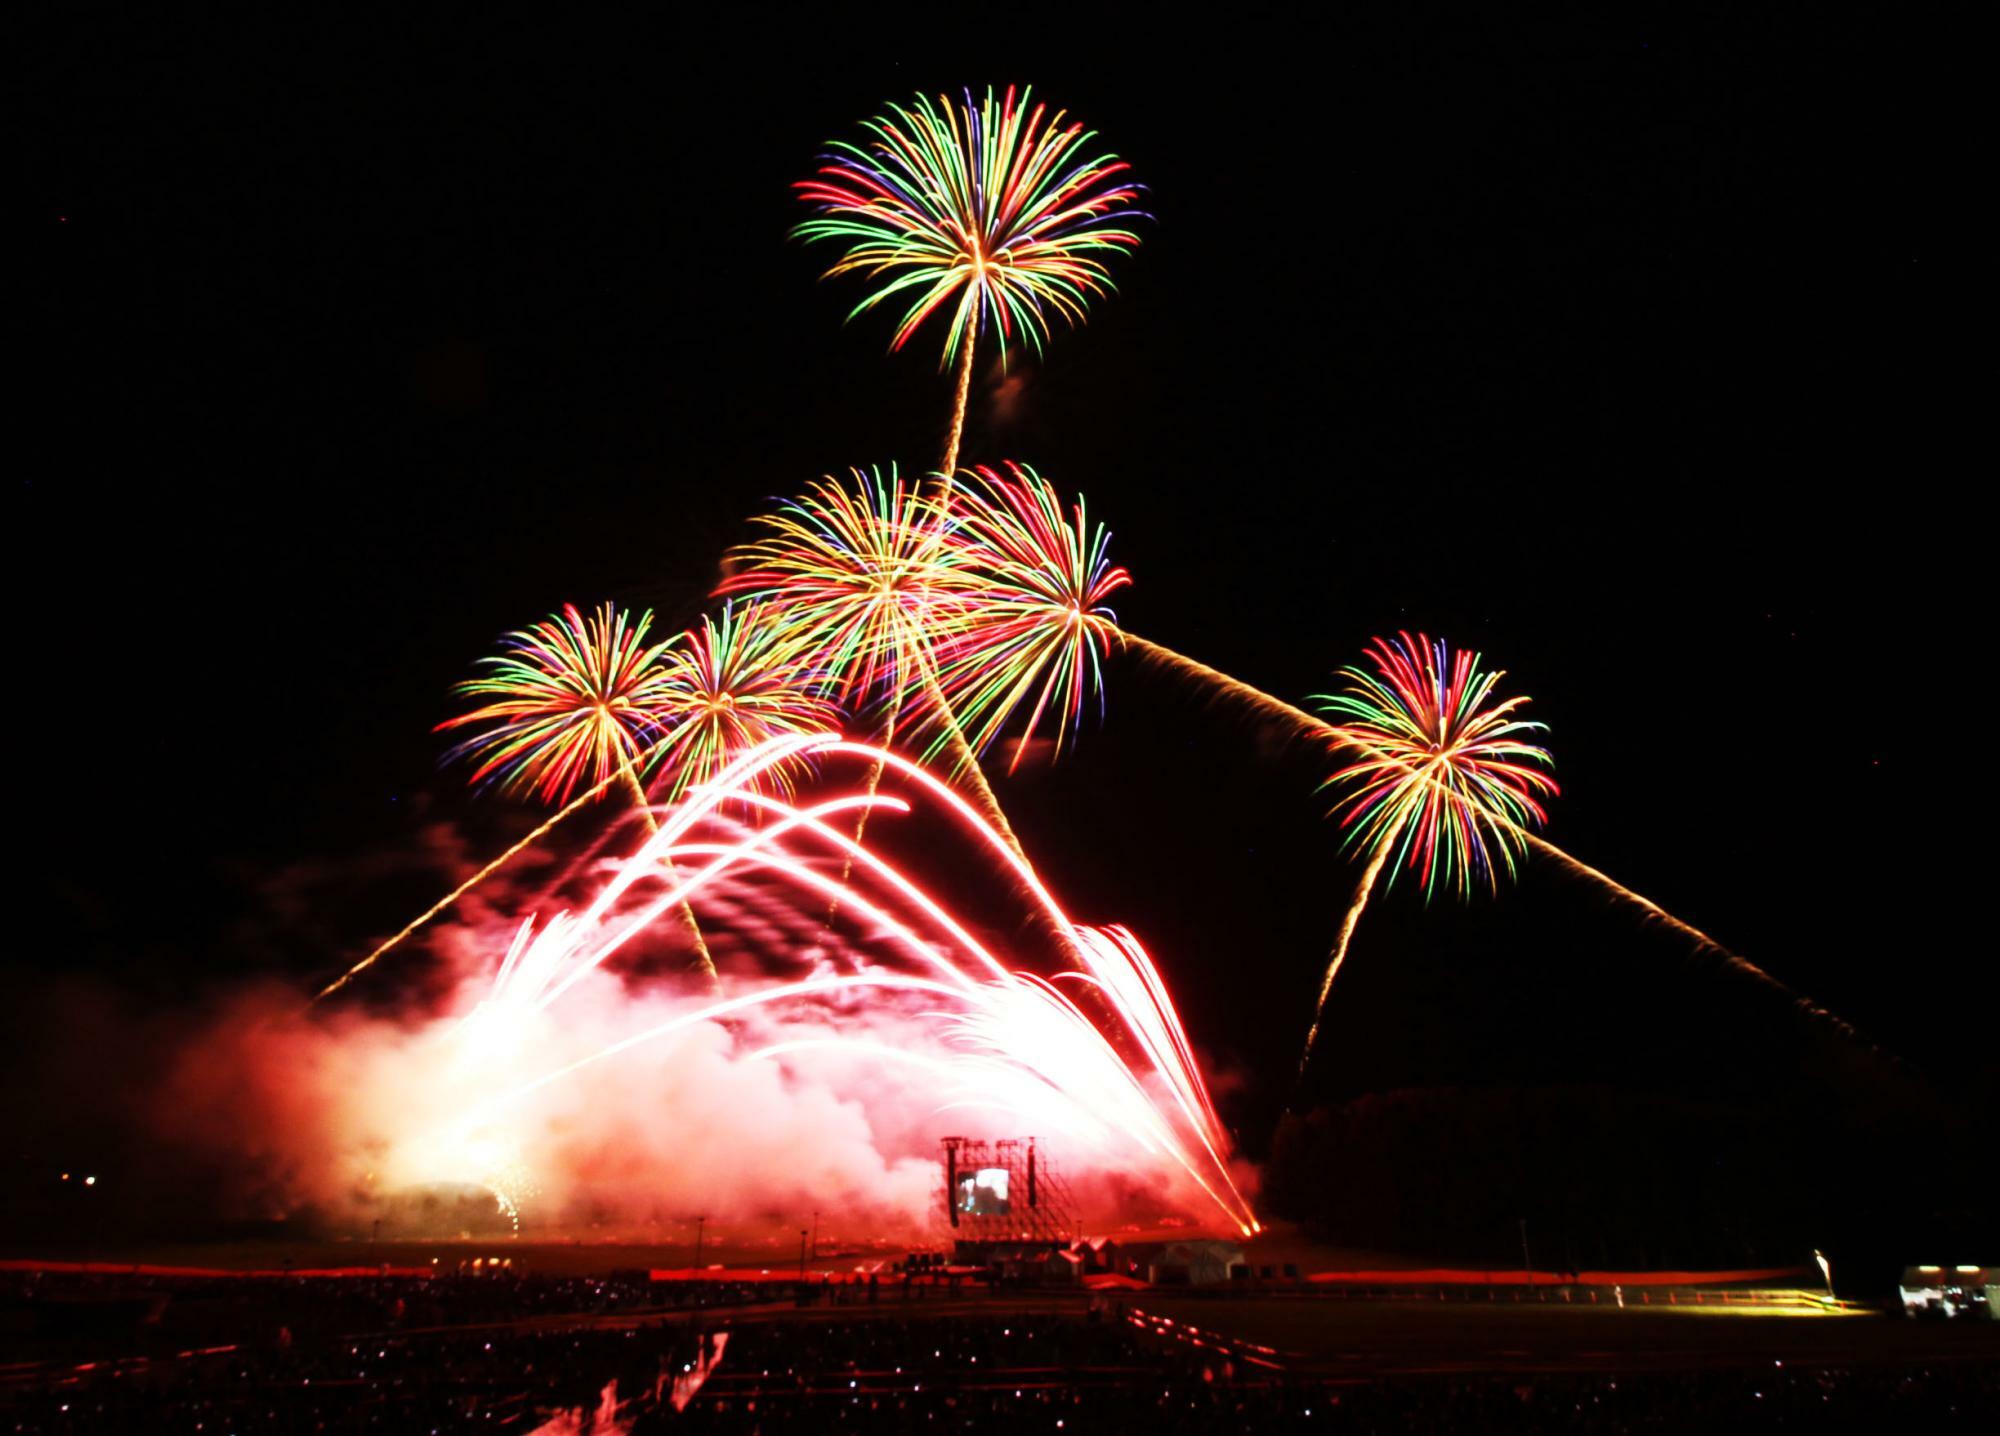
column 438, row 1078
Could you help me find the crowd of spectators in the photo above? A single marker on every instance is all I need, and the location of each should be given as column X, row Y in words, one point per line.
column 1154, row 1393
column 730, row 1370
column 141, row 1314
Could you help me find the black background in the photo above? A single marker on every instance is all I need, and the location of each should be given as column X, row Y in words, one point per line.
column 1616, row 352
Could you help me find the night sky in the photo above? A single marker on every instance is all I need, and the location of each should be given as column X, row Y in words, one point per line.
column 1617, row 355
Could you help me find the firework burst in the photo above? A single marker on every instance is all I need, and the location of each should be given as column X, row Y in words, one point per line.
column 571, row 701
column 1296, row 723
column 1445, row 783
column 1446, row 778
column 864, row 572
column 1037, row 626
column 858, row 572
column 575, row 701
column 991, row 213
column 738, row 680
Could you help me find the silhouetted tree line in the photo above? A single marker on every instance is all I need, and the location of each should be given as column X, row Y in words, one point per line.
column 1606, row 1178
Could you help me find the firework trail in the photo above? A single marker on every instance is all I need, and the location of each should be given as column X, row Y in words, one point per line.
column 1005, row 564
column 708, row 695
column 576, row 804
column 1306, row 725
column 1445, row 783
column 1731, row 961
column 990, row 214
column 1036, row 605
column 573, row 699
column 1348, row 922
column 1018, row 1043
column 509, row 755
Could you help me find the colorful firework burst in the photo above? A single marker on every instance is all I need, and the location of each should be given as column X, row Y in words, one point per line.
column 573, row 699
column 738, row 680
column 992, row 212
column 858, row 571
column 1448, row 778
column 1037, row 626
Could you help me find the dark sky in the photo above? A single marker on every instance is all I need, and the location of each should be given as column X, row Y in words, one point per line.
column 1617, row 354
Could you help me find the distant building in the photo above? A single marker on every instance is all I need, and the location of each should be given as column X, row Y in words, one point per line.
column 1192, row 1263
column 1950, row 1291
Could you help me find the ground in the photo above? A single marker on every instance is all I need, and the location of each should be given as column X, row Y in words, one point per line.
column 1501, row 1329
column 1383, row 1338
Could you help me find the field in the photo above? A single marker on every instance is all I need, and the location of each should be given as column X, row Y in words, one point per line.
column 1374, row 1338
column 1323, row 1331
column 767, row 1246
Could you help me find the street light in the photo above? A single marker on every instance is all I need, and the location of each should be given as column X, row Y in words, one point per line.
column 700, row 1223
column 802, row 1254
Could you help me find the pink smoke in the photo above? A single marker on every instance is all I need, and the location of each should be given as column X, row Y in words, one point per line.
column 832, row 1100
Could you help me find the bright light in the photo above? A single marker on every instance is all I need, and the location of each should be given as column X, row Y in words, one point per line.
column 90, row 1181
column 1117, row 1068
